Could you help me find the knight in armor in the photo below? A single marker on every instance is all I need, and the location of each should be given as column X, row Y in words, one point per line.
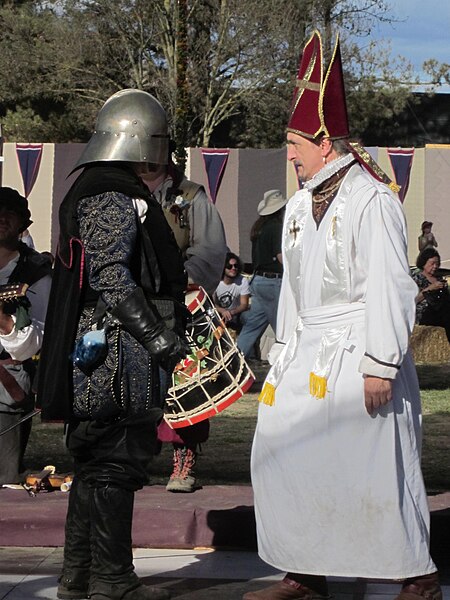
column 21, row 330
column 107, row 342
column 200, row 234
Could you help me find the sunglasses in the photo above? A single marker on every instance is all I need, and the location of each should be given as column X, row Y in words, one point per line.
column 232, row 266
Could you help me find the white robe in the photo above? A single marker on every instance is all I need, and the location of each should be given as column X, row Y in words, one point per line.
column 339, row 492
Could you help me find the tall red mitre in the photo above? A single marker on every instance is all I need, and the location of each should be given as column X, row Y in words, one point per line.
column 319, row 106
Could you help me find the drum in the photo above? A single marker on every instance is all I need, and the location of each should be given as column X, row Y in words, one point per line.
column 213, row 376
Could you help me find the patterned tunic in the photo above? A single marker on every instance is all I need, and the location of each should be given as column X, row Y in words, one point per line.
column 125, row 379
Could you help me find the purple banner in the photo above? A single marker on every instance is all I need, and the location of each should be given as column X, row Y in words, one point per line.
column 215, row 163
column 401, row 161
column 29, row 157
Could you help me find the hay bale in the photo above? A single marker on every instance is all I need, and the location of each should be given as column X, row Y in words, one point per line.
column 430, row 345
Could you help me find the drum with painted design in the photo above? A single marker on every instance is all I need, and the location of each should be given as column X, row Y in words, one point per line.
column 213, row 376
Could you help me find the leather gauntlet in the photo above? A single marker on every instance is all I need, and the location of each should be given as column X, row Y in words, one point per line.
column 137, row 318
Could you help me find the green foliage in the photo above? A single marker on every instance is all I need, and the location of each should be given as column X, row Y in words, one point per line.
column 436, row 442
column 24, row 120
column 223, row 69
column 379, row 86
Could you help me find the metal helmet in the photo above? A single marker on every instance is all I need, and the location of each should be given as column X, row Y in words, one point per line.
column 132, row 127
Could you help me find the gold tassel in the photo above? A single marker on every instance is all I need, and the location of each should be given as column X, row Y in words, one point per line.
column 317, row 386
column 394, row 187
column 267, row 395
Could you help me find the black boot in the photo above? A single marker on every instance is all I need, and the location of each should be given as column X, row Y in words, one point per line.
column 112, row 570
column 74, row 579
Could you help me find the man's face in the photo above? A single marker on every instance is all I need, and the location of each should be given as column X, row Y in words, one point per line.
column 10, row 225
column 305, row 154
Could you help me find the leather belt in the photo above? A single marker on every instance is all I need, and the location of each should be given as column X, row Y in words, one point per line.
column 269, row 274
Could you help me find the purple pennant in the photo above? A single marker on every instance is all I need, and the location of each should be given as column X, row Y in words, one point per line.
column 401, row 161
column 29, row 157
column 215, row 163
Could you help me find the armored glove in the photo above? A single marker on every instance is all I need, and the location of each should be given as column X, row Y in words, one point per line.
column 138, row 319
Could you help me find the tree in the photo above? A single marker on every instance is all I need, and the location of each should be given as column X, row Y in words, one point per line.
column 438, row 73
column 223, row 69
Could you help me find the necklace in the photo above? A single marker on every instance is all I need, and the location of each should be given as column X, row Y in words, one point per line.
column 319, row 197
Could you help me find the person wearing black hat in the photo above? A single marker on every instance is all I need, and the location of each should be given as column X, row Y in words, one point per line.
column 426, row 238
column 335, row 465
column 21, row 329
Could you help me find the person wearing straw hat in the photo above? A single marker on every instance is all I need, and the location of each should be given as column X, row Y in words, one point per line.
column 265, row 287
column 336, row 453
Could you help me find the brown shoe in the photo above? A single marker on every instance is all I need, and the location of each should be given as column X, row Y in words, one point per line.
column 288, row 589
column 425, row 586
column 183, row 478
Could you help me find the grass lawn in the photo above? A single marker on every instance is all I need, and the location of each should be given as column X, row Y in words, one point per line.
column 225, row 458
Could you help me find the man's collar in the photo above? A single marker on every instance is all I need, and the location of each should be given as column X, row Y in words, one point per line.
column 328, row 171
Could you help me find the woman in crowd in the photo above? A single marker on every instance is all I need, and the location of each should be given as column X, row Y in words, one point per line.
column 433, row 299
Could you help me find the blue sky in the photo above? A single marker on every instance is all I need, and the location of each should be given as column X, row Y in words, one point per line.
column 424, row 31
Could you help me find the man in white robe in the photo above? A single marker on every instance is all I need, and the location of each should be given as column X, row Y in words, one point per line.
column 336, row 454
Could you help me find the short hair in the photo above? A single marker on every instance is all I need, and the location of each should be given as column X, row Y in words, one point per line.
column 340, row 146
column 425, row 256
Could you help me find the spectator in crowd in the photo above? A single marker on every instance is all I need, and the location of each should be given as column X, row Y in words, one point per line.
column 427, row 239
column 102, row 310
column 200, row 235
column 231, row 297
column 265, row 286
column 433, row 299
column 335, row 463
column 21, row 330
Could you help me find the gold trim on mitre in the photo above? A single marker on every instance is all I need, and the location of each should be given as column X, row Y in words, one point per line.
column 304, row 84
column 308, row 85
column 323, row 127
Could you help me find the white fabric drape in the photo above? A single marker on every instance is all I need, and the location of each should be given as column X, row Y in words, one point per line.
column 339, row 492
